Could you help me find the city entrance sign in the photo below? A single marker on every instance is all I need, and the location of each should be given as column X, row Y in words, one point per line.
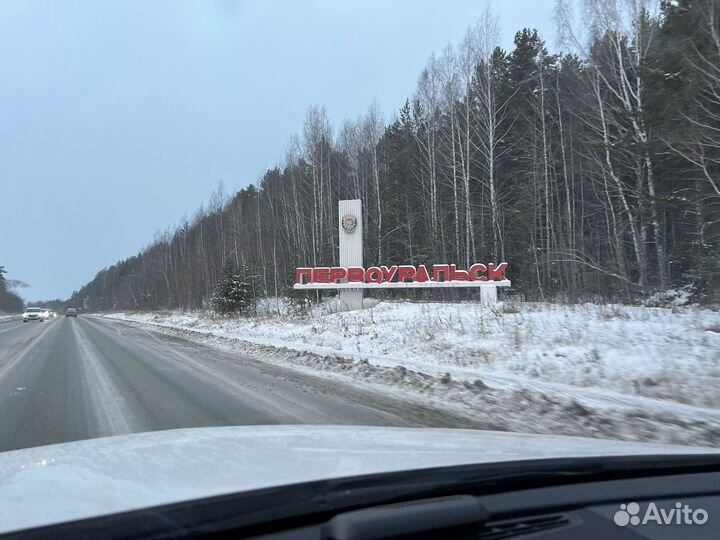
column 398, row 277
column 351, row 277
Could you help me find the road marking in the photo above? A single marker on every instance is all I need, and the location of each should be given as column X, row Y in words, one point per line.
column 277, row 405
column 13, row 328
column 18, row 391
column 22, row 352
column 110, row 409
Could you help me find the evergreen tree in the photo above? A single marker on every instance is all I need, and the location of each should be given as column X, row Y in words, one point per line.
column 9, row 301
column 235, row 292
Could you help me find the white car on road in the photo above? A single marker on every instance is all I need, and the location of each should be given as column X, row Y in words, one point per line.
column 35, row 314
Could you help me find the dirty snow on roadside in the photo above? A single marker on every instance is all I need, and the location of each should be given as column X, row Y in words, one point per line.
column 595, row 363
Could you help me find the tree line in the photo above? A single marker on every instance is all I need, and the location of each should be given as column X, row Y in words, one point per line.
column 9, row 301
column 595, row 171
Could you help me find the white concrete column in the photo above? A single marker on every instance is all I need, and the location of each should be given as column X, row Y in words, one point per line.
column 351, row 247
column 488, row 294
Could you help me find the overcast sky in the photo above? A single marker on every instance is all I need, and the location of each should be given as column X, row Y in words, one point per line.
column 119, row 117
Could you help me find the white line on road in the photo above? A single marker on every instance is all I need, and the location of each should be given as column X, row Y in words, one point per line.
column 111, row 411
column 13, row 327
column 22, row 352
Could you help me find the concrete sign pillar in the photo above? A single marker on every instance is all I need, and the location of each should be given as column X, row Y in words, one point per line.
column 488, row 294
column 351, row 247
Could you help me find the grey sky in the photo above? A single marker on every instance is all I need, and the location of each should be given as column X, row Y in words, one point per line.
column 119, row 117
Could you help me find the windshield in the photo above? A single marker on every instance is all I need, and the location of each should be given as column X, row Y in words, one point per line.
column 495, row 217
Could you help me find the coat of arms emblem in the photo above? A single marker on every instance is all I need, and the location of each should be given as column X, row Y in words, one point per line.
column 349, row 223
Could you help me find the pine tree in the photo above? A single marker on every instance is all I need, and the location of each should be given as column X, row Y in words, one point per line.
column 235, row 292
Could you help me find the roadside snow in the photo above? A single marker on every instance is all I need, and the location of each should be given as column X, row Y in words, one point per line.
column 607, row 362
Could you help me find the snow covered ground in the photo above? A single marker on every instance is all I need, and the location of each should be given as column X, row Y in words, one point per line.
column 635, row 373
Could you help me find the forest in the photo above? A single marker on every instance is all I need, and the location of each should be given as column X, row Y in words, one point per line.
column 594, row 171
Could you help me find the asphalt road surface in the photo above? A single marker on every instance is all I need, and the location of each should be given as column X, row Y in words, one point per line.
column 70, row 379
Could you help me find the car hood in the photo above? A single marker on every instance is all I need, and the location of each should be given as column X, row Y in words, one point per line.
column 64, row 482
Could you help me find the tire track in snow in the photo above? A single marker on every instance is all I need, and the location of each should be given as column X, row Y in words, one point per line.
column 112, row 413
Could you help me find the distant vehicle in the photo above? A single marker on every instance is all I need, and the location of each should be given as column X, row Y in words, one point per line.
column 71, row 312
column 45, row 313
column 33, row 314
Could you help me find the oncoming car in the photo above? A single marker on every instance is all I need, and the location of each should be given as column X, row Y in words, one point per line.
column 34, row 314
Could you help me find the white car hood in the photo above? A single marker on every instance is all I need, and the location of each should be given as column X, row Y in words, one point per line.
column 64, row 482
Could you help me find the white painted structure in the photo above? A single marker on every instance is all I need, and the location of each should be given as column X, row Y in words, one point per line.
column 351, row 248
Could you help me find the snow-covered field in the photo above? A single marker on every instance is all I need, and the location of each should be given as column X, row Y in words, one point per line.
column 618, row 371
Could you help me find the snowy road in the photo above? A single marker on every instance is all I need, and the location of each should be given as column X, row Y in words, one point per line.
column 607, row 371
column 72, row 379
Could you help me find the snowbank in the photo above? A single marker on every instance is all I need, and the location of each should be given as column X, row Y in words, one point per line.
column 609, row 361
